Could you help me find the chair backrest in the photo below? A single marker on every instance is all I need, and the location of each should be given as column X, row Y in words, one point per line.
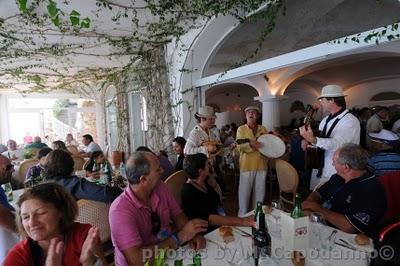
column 73, row 149
column 175, row 182
column 288, row 178
column 24, row 167
column 96, row 214
column 391, row 183
column 79, row 162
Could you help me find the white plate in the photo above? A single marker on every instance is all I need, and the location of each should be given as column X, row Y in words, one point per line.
column 273, row 146
column 368, row 248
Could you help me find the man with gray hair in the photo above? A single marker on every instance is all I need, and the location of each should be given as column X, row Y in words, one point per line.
column 353, row 200
column 140, row 217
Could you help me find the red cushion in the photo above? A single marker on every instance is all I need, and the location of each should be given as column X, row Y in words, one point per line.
column 391, row 183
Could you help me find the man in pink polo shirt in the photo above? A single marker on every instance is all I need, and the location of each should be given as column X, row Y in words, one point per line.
column 140, row 217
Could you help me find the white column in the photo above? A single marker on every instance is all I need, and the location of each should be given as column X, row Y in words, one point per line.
column 270, row 110
column 100, row 120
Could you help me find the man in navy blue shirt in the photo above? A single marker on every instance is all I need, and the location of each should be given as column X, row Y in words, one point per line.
column 385, row 158
column 352, row 200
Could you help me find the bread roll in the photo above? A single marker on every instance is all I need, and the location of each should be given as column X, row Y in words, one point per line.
column 226, row 233
column 361, row 239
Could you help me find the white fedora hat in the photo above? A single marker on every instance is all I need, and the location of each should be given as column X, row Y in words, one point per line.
column 331, row 91
column 206, row 111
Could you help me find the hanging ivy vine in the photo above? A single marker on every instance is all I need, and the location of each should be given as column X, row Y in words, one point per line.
column 25, row 37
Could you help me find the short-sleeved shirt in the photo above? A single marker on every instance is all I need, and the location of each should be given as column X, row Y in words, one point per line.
column 130, row 219
column 362, row 200
column 21, row 255
column 384, row 161
column 92, row 147
column 199, row 204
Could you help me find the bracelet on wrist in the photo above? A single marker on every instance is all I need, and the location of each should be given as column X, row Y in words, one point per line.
column 176, row 239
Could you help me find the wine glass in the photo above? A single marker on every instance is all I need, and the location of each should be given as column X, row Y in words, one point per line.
column 276, row 222
column 317, row 225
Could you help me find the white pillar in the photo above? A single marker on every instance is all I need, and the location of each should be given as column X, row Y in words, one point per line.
column 270, row 110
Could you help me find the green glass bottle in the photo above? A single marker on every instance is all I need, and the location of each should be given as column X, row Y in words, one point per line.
column 297, row 210
column 178, row 263
column 261, row 236
column 197, row 259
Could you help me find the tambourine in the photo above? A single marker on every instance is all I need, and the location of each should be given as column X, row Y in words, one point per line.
column 273, row 146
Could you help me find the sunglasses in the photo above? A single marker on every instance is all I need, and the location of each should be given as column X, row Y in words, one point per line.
column 155, row 223
column 9, row 167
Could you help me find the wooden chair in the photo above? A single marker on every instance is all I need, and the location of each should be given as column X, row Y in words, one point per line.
column 288, row 180
column 79, row 162
column 73, row 149
column 175, row 182
column 24, row 167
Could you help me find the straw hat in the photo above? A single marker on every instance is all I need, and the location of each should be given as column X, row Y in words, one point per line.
column 331, row 91
column 252, row 108
column 206, row 111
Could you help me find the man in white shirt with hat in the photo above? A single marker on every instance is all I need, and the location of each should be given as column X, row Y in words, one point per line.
column 202, row 133
column 336, row 129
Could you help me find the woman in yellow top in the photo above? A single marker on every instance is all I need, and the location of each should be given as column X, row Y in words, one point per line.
column 253, row 166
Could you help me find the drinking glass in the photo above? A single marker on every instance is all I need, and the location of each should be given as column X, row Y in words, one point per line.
column 276, row 221
column 317, row 226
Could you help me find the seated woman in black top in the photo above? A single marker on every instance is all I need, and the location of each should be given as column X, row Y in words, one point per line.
column 199, row 199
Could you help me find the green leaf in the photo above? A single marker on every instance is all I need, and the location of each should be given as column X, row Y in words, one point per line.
column 74, row 17
column 56, row 21
column 52, row 9
column 85, row 23
column 74, row 13
column 22, row 5
column 74, row 20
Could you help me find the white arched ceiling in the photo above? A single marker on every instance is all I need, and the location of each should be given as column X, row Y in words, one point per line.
column 306, row 23
column 346, row 71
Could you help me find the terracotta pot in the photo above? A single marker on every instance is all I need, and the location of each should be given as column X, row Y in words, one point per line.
column 117, row 158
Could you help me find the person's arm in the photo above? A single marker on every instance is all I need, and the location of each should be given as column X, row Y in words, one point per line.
column 7, row 220
column 241, row 134
column 92, row 249
column 84, row 189
column 193, row 145
column 138, row 255
column 348, row 129
column 214, row 219
column 337, row 219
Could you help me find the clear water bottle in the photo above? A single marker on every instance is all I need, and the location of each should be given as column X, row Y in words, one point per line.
column 103, row 174
column 122, row 170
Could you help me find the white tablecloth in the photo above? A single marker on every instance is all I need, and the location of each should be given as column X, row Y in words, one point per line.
column 218, row 253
